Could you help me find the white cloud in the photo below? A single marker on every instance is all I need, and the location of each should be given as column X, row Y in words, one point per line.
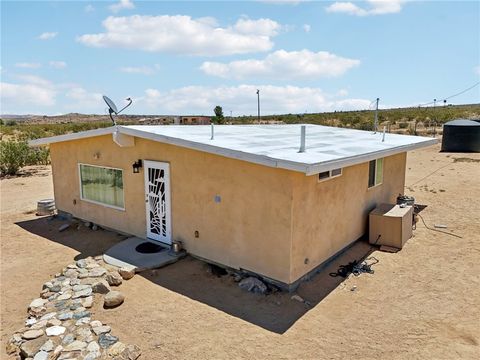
column 58, row 64
column 89, row 8
column 27, row 65
column 375, row 7
column 180, row 34
column 242, row 100
column 84, row 100
column 307, row 28
column 47, row 35
column 122, row 5
column 33, row 90
column 145, row 70
column 282, row 64
column 476, row 70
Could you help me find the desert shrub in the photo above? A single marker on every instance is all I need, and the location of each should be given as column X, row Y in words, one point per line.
column 403, row 125
column 38, row 156
column 13, row 156
column 16, row 154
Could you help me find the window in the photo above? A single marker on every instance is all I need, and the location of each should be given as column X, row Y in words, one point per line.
column 102, row 185
column 375, row 172
column 329, row 174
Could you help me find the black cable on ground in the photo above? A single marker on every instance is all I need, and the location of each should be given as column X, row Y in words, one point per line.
column 444, row 232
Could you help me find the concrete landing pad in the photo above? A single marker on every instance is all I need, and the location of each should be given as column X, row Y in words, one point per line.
column 124, row 254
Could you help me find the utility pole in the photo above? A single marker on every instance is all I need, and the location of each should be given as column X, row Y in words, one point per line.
column 258, row 104
column 375, row 123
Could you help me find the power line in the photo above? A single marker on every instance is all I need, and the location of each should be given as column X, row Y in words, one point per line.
column 452, row 96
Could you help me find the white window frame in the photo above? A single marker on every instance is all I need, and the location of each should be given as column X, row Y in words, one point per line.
column 376, row 183
column 330, row 176
column 98, row 202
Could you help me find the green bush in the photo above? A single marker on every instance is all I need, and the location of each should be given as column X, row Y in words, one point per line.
column 13, row 156
column 16, row 154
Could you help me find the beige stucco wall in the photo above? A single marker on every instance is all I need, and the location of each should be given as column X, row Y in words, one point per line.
column 329, row 215
column 249, row 228
column 268, row 221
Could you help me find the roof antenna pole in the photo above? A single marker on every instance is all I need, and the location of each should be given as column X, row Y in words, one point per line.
column 302, row 138
column 375, row 123
column 213, row 131
column 383, row 136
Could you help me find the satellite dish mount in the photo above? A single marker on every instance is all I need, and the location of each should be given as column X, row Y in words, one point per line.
column 112, row 108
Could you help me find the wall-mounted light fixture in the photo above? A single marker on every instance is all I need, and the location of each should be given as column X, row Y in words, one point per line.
column 136, row 166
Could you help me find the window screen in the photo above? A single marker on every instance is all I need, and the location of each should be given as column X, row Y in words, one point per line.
column 102, row 185
column 324, row 175
column 337, row 172
column 375, row 172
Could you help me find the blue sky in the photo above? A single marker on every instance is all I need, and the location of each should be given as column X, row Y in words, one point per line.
column 186, row 57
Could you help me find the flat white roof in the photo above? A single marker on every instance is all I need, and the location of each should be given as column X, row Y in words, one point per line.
column 327, row 147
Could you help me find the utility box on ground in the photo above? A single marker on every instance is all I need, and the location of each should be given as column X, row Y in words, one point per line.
column 390, row 225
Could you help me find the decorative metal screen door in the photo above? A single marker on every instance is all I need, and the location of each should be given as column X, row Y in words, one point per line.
column 157, row 198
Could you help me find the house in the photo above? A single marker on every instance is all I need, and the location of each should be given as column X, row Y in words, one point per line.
column 240, row 196
column 194, row 120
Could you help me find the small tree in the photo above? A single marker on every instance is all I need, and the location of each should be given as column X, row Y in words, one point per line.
column 218, row 118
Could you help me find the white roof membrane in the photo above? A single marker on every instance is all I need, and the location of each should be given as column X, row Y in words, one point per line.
column 327, row 147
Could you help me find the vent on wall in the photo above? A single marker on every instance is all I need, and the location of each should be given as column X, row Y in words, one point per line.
column 325, row 175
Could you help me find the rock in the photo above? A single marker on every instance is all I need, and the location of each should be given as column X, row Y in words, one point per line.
column 48, row 346
column 32, row 334
column 68, row 339
column 97, row 272
column 80, row 287
column 98, row 330
column 81, row 314
column 82, row 321
column 11, row 348
column 72, row 266
column 82, row 293
column 64, row 296
column 74, row 282
column 94, row 227
column 47, row 285
column 55, row 288
column 65, row 315
column 354, row 288
column 297, row 298
column 131, row 352
column 30, row 321
column 41, row 355
column 57, row 351
column 81, row 263
column 126, row 273
column 114, row 278
column 84, row 334
column 63, row 227
column 29, row 348
column 87, row 224
column 37, row 303
column 253, row 285
column 54, row 322
column 107, row 340
column 101, row 287
column 55, row 330
column 113, row 299
column 116, row 349
column 92, row 355
column 48, row 316
column 40, row 324
column 93, row 347
column 87, row 302
column 16, row 339
column 76, row 345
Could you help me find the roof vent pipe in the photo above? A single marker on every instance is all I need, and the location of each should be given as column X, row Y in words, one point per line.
column 383, row 136
column 302, row 138
column 213, row 131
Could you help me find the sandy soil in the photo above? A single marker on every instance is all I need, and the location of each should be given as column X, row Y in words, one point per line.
column 422, row 302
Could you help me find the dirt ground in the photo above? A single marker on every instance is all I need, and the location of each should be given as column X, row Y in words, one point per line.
column 421, row 303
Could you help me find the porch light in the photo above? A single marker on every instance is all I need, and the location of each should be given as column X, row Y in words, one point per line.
column 136, row 166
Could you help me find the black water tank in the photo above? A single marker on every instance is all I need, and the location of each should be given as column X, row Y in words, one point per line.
column 461, row 136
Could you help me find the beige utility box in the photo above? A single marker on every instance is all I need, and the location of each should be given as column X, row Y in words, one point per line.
column 390, row 225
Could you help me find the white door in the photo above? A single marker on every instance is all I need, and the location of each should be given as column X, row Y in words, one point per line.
column 157, row 198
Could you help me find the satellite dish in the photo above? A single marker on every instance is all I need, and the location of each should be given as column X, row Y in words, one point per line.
column 112, row 108
column 110, row 104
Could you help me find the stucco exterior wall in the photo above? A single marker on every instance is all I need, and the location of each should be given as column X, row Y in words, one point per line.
column 268, row 220
column 327, row 216
column 249, row 228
